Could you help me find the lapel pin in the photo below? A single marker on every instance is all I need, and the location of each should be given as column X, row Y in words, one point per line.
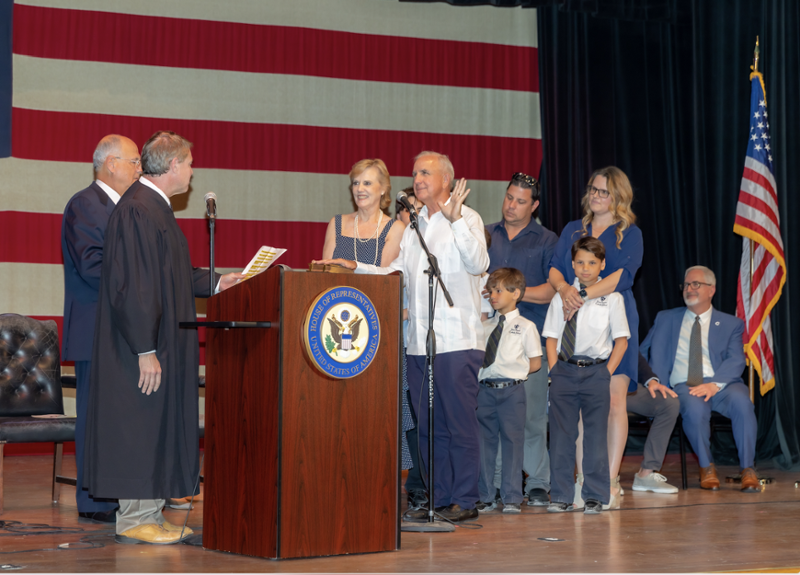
column 716, row 323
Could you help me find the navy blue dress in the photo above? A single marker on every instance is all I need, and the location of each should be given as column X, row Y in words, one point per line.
column 366, row 249
column 366, row 255
column 628, row 258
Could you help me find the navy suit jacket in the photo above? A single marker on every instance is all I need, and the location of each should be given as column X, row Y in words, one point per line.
column 82, row 231
column 725, row 346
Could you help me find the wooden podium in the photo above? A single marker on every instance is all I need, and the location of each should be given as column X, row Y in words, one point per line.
column 298, row 463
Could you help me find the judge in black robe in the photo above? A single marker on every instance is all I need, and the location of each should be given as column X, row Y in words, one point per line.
column 142, row 432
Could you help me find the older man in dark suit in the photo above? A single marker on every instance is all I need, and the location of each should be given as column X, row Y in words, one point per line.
column 117, row 165
column 699, row 352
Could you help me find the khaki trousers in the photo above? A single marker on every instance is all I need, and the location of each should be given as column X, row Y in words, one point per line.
column 135, row 512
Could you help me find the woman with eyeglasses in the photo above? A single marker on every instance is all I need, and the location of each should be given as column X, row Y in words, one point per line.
column 607, row 217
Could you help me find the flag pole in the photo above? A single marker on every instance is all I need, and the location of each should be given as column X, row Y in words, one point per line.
column 751, row 375
column 751, row 370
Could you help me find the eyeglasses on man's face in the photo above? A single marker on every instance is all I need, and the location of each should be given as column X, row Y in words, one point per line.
column 591, row 190
column 135, row 161
column 693, row 285
column 519, row 177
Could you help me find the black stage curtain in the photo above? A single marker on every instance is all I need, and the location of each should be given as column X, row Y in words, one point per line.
column 664, row 94
column 660, row 88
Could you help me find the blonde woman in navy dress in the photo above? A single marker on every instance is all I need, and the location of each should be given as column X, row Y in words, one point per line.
column 607, row 217
column 369, row 235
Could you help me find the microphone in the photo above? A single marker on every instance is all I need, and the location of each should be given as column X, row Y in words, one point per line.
column 211, row 204
column 402, row 198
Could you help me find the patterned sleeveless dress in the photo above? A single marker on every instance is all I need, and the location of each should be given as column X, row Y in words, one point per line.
column 366, row 249
column 365, row 252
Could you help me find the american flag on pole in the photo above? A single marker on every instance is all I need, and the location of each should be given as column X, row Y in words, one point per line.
column 757, row 219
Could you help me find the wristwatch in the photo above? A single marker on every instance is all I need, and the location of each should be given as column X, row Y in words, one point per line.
column 583, row 294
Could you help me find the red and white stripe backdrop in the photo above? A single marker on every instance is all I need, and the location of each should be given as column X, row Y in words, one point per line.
column 279, row 98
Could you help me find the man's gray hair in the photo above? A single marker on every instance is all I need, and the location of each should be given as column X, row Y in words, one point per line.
column 111, row 144
column 707, row 274
column 161, row 149
column 444, row 162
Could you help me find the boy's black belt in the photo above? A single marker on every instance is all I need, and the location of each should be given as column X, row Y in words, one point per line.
column 585, row 362
column 500, row 383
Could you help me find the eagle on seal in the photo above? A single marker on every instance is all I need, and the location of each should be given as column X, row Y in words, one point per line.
column 338, row 329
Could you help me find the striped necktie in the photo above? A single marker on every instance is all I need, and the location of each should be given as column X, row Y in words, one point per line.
column 569, row 336
column 493, row 343
column 694, row 375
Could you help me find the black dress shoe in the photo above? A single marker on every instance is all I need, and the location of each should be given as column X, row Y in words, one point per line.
column 416, row 515
column 99, row 516
column 456, row 514
column 417, row 499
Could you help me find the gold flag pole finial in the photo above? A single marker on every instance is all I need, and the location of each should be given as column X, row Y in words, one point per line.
column 754, row 67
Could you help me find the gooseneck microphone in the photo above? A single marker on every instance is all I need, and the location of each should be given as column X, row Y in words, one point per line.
column 211, row 204
column 402, row 198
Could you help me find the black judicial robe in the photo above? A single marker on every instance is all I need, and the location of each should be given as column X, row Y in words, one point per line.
column 140, row 446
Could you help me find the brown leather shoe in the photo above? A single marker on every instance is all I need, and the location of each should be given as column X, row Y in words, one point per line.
column 708, row 478
column 750, row 482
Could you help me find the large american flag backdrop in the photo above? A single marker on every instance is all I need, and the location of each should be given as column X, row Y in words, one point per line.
column 279, row 98
column 758, row 219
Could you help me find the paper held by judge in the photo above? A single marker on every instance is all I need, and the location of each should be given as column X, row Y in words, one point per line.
column 264, row 258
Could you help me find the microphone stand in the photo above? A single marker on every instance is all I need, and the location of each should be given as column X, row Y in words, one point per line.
column 430, row 344
column 212, row 218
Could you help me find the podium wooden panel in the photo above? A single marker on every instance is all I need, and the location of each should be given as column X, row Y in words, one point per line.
column 299, row 464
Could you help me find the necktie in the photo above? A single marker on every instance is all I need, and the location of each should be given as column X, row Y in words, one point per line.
column 569, row 336
column 695, row 373
column 494, row 341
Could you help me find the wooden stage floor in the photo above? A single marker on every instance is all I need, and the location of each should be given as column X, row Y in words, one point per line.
column 692, row 531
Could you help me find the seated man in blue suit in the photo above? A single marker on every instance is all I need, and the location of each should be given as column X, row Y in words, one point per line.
column 699, row 352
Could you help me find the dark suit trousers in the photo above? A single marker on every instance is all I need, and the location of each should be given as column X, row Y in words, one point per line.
column 456, row 432
column 574, row 391
column 85, row 503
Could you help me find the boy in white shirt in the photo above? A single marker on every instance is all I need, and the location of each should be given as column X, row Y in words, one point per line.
column 582, row 354
column 513, row 350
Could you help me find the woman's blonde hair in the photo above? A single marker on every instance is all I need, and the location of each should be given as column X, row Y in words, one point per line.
column 383, row 178
column 621, row 194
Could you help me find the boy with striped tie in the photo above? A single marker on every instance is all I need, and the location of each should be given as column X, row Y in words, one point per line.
column 513, row 350
column 583, row 353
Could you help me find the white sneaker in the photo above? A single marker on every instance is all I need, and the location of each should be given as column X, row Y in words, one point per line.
column 578, row 500
column 654, row 482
